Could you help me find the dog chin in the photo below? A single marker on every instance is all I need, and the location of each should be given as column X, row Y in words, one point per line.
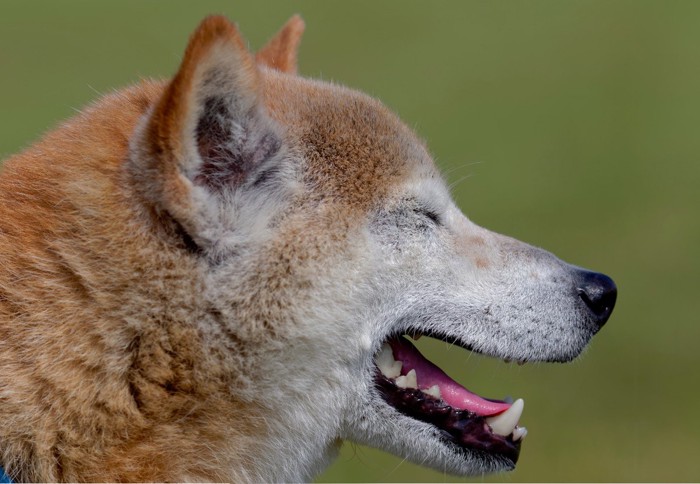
column 381, row 426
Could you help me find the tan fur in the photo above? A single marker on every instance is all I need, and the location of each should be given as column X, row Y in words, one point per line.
column 86, row 389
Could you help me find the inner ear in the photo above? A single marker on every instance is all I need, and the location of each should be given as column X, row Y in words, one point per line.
column 232, row 145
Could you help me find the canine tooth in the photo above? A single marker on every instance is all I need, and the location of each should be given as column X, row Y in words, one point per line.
column 385, row 355
column 395, row 369
column 519, row 433
column 386, row 363
column 384, row 358
column 409, row 380
column 504, row 423
column 433, row 391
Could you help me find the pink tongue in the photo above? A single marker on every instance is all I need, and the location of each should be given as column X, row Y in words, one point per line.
column 454, row 394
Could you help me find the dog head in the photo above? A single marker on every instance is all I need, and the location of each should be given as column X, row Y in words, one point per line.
column 324, row 233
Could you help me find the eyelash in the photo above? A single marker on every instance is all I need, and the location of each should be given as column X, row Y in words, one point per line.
column 426, row 212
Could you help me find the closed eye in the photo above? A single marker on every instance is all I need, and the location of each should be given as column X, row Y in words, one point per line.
column 429, row 214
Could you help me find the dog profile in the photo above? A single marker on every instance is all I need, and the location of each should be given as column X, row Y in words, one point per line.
column 211, row 278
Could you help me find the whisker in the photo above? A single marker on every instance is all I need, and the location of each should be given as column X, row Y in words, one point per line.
column 454, row 184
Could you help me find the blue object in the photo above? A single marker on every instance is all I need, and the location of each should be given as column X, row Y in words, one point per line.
column 4, row 478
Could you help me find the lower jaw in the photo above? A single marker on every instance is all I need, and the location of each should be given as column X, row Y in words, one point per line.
column 466, row 430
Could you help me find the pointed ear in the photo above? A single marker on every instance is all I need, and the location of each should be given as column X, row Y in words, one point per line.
column 280, row 52
column 208, row 135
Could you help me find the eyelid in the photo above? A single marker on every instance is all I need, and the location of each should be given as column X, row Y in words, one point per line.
column 429, row 213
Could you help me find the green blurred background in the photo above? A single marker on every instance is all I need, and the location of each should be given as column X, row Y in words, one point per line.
column 568, row 124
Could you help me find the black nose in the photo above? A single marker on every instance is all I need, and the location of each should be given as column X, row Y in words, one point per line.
column 599, row 292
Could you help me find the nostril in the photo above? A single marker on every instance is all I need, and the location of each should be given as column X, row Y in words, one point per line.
column 599, row 292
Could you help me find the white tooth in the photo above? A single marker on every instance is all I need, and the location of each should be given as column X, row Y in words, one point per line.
column 408, row 380
column 384, row 358
column 433, row 391
column 519, row 433
column 412, row 379
column 401, row 382
column 504, row 423
column 386, row 364
column 395, row 369
column 385, row 354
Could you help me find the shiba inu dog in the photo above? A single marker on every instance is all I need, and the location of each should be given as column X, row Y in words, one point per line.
column 212, row 278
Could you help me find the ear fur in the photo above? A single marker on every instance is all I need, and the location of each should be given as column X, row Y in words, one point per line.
column 280, row 52
column 208, row 134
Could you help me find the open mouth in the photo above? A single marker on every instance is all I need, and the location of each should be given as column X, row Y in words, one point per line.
column 419, row 389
